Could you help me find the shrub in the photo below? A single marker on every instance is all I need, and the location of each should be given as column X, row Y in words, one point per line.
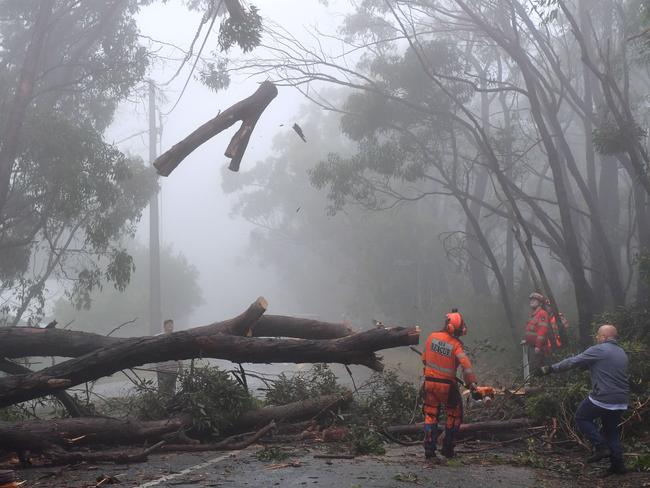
column 388, row 399
column 317, row 381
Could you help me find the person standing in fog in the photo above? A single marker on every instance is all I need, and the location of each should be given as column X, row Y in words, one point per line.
column 168, row 371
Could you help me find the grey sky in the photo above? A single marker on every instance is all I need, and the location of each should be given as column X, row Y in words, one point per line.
column 195, row 212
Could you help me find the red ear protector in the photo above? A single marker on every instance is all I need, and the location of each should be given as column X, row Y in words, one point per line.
column 455, row 324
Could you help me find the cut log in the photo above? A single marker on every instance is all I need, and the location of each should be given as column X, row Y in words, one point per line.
column 488, row 426
column 41, row 435
column 282, row 326
column 248, row 111
column 358, row 349
column 295, row 411
column 18, row 342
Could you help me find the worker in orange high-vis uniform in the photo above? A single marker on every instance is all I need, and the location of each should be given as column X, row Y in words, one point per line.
column 442, row 355
column 537, row 331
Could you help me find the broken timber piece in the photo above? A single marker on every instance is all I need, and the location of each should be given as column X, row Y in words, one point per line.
column 248, row 111
column 291, row 412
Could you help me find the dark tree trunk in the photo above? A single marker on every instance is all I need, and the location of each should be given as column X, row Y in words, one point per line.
column 71, row 405
column 17, row 342
column 206, row 342
column 643, row 224
column 354, row 349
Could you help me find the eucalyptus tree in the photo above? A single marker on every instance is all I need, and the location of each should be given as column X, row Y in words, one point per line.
column 511, row 102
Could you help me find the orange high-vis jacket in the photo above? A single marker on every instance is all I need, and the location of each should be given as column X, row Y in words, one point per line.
column 442, row 355
column 537, row 328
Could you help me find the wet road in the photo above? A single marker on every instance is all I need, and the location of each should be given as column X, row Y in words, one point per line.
column 400, row 467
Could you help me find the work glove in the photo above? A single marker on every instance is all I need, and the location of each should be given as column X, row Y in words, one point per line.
column 544, row 370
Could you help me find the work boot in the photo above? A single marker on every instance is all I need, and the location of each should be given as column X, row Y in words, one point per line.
column 598, row 454
column 613, row 470
column 431, row 434
column 448, row 443
column 447, row 451
column 617, row 466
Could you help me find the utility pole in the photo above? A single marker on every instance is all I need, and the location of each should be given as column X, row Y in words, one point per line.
column 155, row 313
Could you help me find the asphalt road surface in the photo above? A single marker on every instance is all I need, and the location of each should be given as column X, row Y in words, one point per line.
column 400, row 467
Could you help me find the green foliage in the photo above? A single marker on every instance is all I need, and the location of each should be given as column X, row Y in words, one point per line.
column 111, row 307
column 640, row 462
column 531, row 457
column 147, row 403
column 215, row 75
column 406, row 477
column 73, row 196
column 365, row 440
column 272, row 453
column 317, row 381
column 388, row 399
column 212, row 398
column 245, row 31
column 611, row 138
column 561, row 400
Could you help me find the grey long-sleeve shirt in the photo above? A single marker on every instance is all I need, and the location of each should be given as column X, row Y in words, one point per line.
column 607, row 363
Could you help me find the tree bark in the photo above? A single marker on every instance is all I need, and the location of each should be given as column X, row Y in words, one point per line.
column 204, row 342
column 248, row 111
column 17, row 342
column 70, row 404
column 44, row 435
column 292, row 411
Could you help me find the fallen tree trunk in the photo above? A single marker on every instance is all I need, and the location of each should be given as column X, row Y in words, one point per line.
column 42, row 435
column 295, row 411
column 70, row 404
column 248, row 111
column 17, row 342
column 357, row 348
column 487, row 426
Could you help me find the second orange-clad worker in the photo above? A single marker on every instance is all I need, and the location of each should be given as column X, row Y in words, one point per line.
column 537, row 331
column 442, row 355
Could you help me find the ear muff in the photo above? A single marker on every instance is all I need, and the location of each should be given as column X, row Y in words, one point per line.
column 455, row 324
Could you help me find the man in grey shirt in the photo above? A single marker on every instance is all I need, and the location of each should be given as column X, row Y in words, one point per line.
column 609, row 396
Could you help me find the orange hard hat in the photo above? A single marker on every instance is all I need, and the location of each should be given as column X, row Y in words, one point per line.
column 455, row 324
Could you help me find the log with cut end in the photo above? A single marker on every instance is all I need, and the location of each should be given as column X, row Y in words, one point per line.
column 357, row 348
column 56, row 435
column 17, row 342
column 248, row 111
column 41, row 435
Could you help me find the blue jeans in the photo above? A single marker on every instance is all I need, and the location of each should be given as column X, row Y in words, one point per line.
column 586, row 414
